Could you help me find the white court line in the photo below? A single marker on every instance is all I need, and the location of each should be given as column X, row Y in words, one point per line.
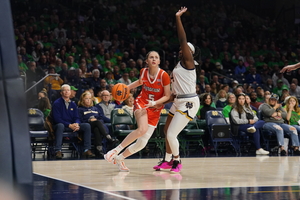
column 113, row 194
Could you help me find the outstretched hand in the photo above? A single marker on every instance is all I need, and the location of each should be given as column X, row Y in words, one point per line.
column 288, row 68
column 181, row 11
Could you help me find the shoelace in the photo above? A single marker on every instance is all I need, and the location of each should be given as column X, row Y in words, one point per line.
column 161, row 162
column 175, row 164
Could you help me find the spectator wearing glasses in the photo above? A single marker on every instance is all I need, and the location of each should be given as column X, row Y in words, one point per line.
column 107, row 105
column 226, row 110
column 125, row 79
column 274, row 116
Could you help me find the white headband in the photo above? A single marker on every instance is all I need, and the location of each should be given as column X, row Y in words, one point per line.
column 191, row 47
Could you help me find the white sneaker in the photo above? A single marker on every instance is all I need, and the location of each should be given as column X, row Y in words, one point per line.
column 121, row 165
column 111, row 155
column 251, row 129
column 262, row 152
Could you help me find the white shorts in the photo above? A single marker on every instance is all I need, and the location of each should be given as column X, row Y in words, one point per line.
column 186, row 106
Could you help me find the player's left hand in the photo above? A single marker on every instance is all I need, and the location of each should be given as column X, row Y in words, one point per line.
column 181, row 11
column 150, row 103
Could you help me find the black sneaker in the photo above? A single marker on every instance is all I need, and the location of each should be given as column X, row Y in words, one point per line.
column 283, row 152
column 297, row 152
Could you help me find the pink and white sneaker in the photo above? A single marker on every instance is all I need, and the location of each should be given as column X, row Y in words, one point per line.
column 110, row 156
column 176, row 167
column 163, row 165
column 121, row 165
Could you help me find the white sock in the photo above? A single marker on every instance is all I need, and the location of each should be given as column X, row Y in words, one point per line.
column 178, row 159
column 119, row 148
column 168, row 157
column 120, row 157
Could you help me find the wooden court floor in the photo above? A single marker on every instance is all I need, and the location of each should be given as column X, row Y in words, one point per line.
column 260, row 177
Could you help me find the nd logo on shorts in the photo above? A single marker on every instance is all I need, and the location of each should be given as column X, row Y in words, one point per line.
column 189, row 105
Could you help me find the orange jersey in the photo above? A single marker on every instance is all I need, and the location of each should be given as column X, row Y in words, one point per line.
column 152, row 89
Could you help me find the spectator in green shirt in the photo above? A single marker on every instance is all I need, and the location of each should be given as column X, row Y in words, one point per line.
column 22, row 65
column 44, row 105
column 109, row 77
column 280, row 87
column 293, row 112
column 231, row 98
column 132, row 76
column 70, row 62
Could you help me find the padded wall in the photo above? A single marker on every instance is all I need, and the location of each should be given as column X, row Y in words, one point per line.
column 15, row 151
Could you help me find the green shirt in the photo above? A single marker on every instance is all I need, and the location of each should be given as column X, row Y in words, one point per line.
column 47, row 45
column 23, row 66
column 226, row 111
column 260, row 99
column 271, row 64
column 133, row 79
column 278, row 90
column 214, row 61
column 295, row 117
column 100, row 59
column 75, row 65
column 111, row 81
column 46, row 112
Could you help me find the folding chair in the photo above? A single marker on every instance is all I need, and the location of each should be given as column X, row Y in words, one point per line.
column 158, row 137
column 269, row 137
column 38, row 133
column 191, row 134
column 121, row 121
column 241, row 138
column 70, row 144
column 219, row 130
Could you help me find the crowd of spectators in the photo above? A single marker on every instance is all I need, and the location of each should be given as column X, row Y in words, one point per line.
column 85, row 48
column 94, row 45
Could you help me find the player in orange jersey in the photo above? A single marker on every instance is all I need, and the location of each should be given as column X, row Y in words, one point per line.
column 155, row 91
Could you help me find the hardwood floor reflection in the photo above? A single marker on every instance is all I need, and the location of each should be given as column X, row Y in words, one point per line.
column 217, row 172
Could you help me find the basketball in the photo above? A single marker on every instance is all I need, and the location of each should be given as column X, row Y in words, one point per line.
column 120, row 92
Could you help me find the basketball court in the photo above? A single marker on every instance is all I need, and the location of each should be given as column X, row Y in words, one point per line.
column 260, row 177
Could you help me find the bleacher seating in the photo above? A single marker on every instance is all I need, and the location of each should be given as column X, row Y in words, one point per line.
column 158, row 137
column 219, row 130
column 191, row 136
column 122, row 123
column 38, row 134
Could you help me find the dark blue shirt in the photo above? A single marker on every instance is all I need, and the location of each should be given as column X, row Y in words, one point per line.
column 63, row 115
column 86, row 112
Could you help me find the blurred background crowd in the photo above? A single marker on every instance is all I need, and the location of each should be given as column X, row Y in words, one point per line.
column 93, row 45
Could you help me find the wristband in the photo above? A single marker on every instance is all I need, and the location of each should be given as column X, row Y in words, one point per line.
column 153, row 103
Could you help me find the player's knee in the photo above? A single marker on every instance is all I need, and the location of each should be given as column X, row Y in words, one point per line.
column 137, row 146
column 170, row 137
column 142, row 131
column 141, row 144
